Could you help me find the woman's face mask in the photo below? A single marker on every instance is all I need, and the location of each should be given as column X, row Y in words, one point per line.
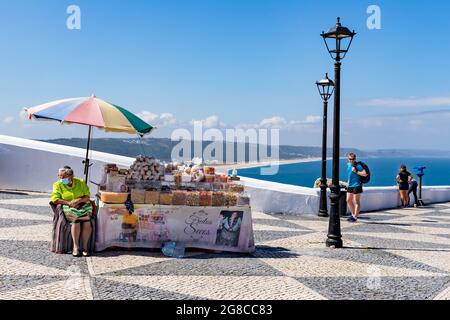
column 65, row 180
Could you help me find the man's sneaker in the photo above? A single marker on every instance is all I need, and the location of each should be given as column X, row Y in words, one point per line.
column 352, row 219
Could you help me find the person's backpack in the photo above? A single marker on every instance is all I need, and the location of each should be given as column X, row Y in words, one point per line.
column 365, row 179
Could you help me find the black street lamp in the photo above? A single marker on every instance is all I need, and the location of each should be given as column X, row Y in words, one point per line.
column 326, row 88
column 338, row 40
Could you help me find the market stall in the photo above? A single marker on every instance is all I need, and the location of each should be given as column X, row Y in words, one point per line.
column 151, row 204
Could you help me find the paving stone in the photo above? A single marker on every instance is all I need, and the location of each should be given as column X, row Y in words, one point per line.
column 384, row 288
column 108, row 289
column 245, row 287
column 7, row 195
column 38, row 253
column 279, row 223
column 10, row 223
column 11, row 282
column 392, row 254
column 36, row 202
column 261, row 236
column 229, row 264
column 376, row 227
column 386, row 243
column 31, row 209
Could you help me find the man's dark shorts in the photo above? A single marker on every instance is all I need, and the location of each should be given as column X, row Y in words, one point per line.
column 355, row 190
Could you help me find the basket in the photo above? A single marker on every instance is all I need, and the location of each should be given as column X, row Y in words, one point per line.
column 113, row 197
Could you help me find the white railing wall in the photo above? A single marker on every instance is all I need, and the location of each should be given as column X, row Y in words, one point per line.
column 272, row 197
column 30, row 165
column 33, row 166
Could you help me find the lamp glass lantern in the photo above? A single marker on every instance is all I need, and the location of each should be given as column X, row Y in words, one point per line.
column 338, row 40
column 325, row 87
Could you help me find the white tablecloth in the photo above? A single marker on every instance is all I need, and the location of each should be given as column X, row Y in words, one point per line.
column 215, row 228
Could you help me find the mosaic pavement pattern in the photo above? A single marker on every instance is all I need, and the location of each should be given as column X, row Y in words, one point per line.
column 393, row 254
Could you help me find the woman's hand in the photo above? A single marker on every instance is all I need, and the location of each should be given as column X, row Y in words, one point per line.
column 74, row 203
column 62, row 202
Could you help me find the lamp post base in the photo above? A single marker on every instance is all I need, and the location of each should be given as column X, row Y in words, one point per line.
column 323, row 207
column 323, row 213
column 334, row 243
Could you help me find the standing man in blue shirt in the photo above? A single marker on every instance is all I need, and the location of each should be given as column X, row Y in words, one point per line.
column 354, row 172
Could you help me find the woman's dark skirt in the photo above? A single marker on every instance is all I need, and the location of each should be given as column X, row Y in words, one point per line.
column 61, row 234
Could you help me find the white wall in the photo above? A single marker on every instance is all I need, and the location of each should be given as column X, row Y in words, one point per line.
column 272, row 197
column 376, row 198
column 33, row 166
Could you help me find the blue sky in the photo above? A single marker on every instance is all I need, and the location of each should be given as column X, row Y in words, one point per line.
column 232, row 63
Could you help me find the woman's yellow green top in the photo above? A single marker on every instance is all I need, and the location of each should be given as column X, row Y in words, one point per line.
column 62, row 191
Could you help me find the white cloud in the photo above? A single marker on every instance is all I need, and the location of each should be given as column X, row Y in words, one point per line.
column 281, row 123
column 246, row 126
column 210, row 122
column 395, row 123
column 162, row 120
column 313, row 119
column 8, row 120
column 167, row 119
column 273, row 122
column 148, row 116
column 413, row 130
column 410, row 102
column 309, row 120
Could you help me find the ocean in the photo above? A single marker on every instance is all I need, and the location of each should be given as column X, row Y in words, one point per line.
column 383, row 171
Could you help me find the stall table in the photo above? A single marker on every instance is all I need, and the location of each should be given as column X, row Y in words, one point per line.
column 212, row 228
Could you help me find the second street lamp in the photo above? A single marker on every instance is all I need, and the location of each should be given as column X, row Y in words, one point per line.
column 326, row 88
column 337, row 40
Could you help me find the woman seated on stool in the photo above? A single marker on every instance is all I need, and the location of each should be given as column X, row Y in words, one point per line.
column 73, row 194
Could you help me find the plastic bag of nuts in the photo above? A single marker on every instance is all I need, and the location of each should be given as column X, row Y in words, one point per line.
column 179, row 198
column 152, row 197
column 138, row 196
column 193, row 199
column 205, row 198
column 236, row 187
column 231, row 199
column 218, row 199
column 165, row 198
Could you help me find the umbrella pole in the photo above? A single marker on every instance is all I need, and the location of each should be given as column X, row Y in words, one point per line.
column 86, row 161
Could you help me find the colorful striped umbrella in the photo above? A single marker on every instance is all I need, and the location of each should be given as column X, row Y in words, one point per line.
column 92, row 112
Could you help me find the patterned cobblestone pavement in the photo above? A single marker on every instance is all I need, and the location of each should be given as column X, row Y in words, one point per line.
column 393, row 254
